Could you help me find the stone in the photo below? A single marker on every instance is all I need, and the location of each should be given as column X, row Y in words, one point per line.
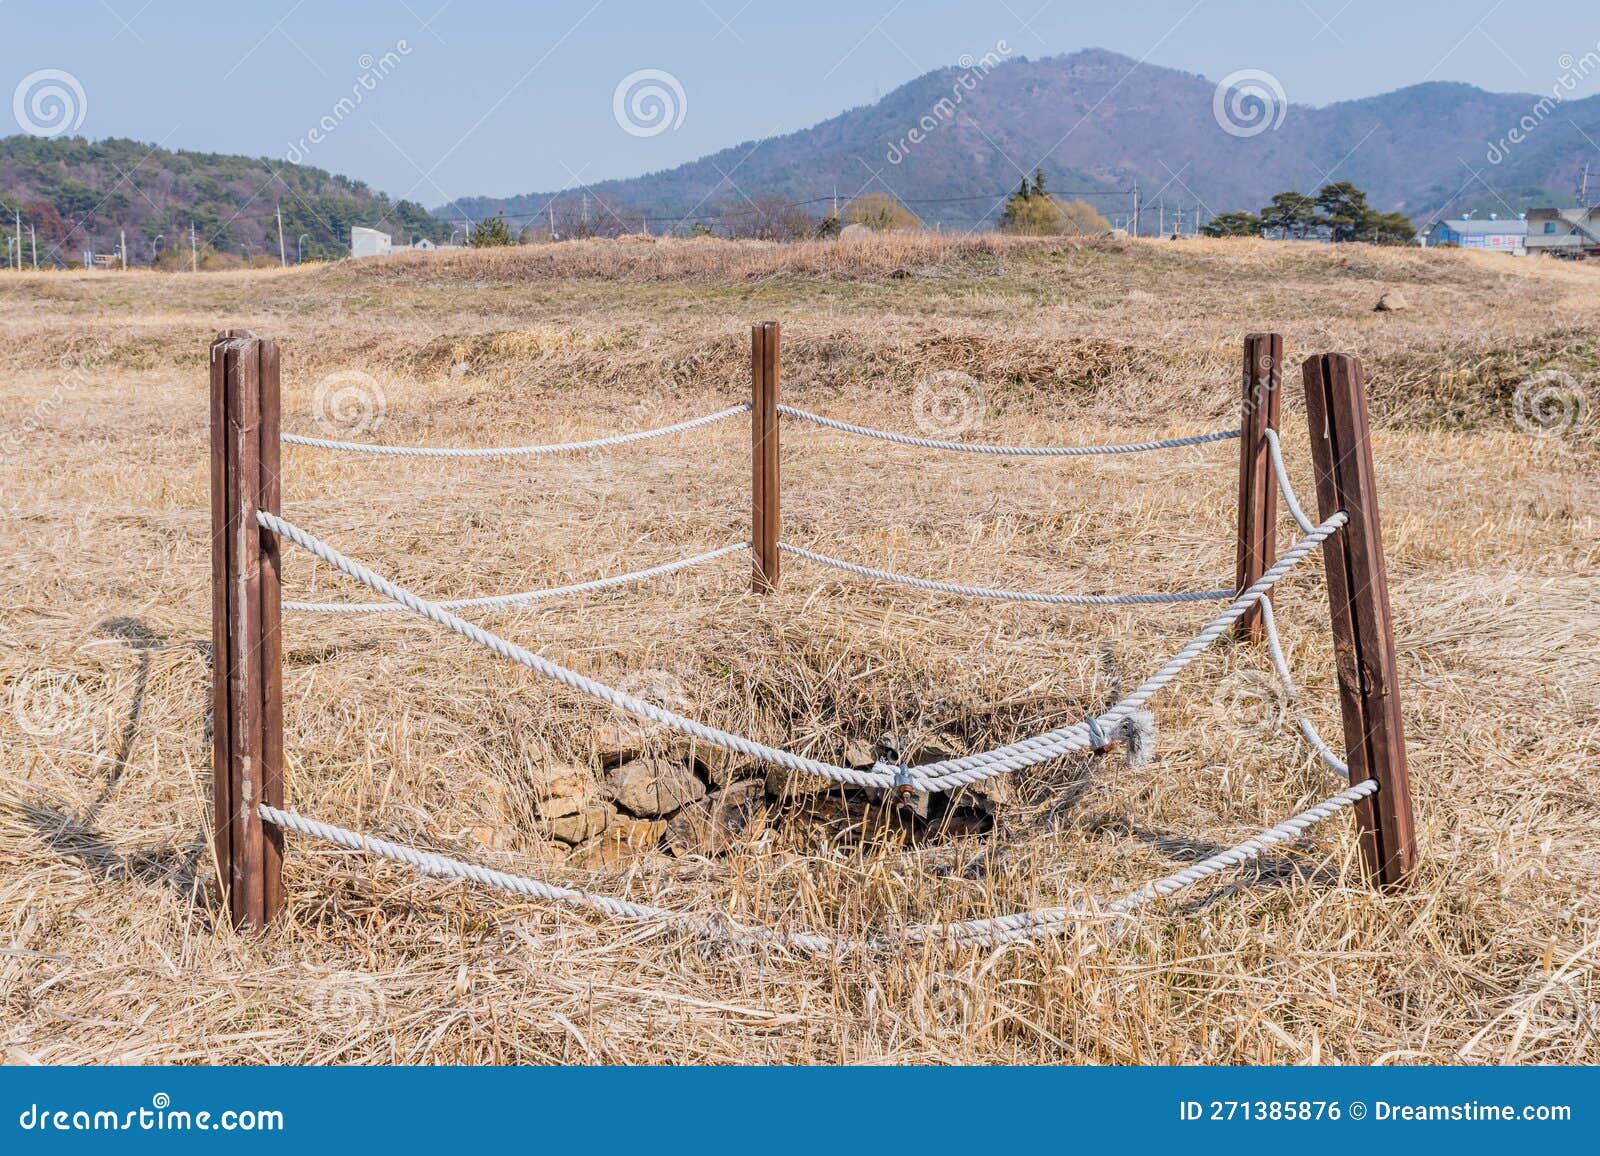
column 622, row 843
column 492, row 838
column 561, row 789
column 1391, row 302
column 617, row 743
column 594, row 817
column 723, row 767
column 719, row 822
column 783, row 783
column 653, row 787
column 858, row 755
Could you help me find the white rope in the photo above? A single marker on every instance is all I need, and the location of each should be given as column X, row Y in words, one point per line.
column 1027, row 752
column 1022, row 925
column 501, row 601
column 1005, row 595
column 1281, row 664
column 1275, row 451
column 941, row 776
column 515, row 451
column 1010, row 451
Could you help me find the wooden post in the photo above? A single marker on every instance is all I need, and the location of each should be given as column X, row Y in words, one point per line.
column 247, row 700
column 765, row 514
column 1258, row 490
column 1363, row 634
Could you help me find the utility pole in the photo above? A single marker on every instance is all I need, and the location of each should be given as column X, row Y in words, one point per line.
column 1161, row 218
column 122, row 244
column 1136, row 207
column 19, row 237
column 282, row 260
column 551, row 207
column 194, row 251
column 33, row 239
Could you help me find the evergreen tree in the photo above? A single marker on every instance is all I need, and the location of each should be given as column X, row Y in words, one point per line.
column 489, row 233
column 1233, row 225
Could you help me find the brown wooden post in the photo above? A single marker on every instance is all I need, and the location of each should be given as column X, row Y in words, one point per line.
column 247, row 666
column 765, row 514
column 1258, row 491
column 1363, row 633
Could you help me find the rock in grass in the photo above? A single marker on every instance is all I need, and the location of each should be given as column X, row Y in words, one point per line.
column 720, row 821
column 561, row 789
column 783, row 783
column 594, row 817
column 653, row 787
column 722, row 767
column 617, row 743
column 1391, row 302
column 622, row 843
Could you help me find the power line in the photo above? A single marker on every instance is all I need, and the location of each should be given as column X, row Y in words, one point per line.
column 736, row 212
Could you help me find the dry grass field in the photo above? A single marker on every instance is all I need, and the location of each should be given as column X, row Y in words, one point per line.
column 110, row 948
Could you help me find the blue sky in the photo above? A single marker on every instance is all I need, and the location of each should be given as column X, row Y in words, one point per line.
column 460, row 98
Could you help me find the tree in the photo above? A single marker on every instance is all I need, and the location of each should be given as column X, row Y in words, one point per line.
column 1290, row 214
column 1233, row 225
column 489, row 233
column 879, row 212
column 769, row 219
column 1080, row 218
column 1032, row 212
column 1344, row 209
column 1388, row 229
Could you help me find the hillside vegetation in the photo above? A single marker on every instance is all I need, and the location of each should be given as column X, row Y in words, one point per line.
column 81, row 195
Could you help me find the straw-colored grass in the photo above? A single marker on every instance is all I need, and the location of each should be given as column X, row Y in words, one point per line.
column 110, row 949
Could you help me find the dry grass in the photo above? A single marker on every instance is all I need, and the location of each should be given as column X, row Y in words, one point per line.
column 109, row 950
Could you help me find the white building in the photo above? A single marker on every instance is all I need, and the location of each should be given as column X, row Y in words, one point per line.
column 369, row 243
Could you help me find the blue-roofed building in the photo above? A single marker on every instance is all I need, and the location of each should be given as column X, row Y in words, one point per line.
column 1499, row 236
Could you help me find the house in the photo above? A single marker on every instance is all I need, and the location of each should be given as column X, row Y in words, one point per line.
column 1507, row 236
column 369, row 242
column 1565, row 232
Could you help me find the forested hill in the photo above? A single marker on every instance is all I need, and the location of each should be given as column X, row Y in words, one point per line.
column 79, row 195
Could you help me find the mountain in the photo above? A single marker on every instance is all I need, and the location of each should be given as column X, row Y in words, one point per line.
column 79, row 196
column 1098, row 121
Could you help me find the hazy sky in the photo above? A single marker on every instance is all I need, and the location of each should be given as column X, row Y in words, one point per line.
column 467, row 98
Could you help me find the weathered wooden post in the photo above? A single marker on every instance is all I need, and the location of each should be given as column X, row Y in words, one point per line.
column 765, row 514
column 1258, row 491
column 247, row 727
column 1363, row 632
